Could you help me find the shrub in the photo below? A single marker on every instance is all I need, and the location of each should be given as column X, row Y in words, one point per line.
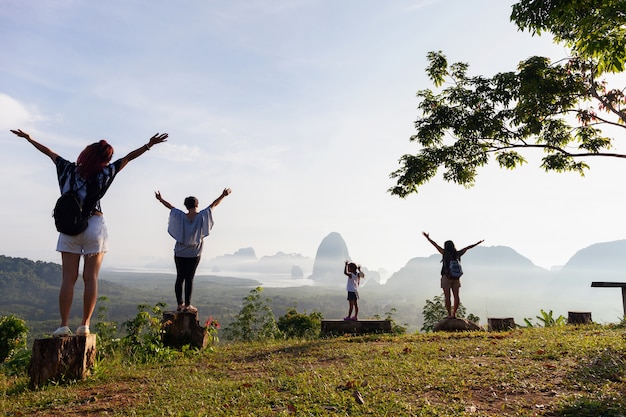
column 13, row 333
column 255, row 321
column 435, row 310
column 299, row 325
column 144, row 341
column 547, row 319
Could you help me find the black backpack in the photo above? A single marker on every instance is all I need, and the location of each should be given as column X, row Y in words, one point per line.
column 70, row 216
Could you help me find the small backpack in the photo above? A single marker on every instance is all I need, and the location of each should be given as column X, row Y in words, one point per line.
column 454, row 269
column 68, row 214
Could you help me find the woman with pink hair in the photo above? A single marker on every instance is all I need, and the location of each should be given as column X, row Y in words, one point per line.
column 90, row 177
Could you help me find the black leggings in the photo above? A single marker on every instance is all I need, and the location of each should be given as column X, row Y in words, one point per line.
column 185, row 271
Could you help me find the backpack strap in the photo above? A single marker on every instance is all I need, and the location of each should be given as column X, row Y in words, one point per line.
column 92, row 199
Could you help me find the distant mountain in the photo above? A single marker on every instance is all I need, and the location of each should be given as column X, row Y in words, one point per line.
column 498, row 281
column 245, row 260
column 607, row 257
column 330, row 260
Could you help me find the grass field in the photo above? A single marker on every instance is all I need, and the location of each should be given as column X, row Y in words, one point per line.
column 552, row 371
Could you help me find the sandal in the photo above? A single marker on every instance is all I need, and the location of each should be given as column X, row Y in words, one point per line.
column 181, row 307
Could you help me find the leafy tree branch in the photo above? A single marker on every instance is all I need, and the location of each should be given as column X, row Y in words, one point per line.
column 560, row 108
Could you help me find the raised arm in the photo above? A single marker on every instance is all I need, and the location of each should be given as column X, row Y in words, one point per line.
column 154, row 140
column 345, row 269
column 462, row 251
column 157, row 194
column 439, row 248
column 221, row 197
column 41, row 148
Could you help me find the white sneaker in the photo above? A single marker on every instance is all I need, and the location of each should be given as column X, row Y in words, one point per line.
column 62, row 332
column 82, row 330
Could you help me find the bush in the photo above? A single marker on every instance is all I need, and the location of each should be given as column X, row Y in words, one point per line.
column 299, row 325
column 547, row 319
column 435, row 310
column 255, row 321
column 13, row 333
column 144, row 341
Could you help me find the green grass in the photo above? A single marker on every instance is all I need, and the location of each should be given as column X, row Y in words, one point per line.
column 555, row 371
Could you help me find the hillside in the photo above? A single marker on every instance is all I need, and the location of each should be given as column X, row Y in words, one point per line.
column 498, row 282
column 558, row 372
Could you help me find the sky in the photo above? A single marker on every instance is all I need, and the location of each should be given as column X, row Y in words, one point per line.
column 303, row 108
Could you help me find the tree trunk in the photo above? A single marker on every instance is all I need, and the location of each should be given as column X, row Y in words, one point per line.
column 62, row 358
column 183, row 329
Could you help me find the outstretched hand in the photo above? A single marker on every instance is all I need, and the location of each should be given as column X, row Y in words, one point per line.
column 158, row 138
column 226, row 192
column 157, row 194
column 21, row 133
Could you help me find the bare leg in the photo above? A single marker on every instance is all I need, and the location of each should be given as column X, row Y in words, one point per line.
column 457, row 300
column 356, row 309
column 70, row 262
column 90, row 278
column 446, row 296
column 351, row 304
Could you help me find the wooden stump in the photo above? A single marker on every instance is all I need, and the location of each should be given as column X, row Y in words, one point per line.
column 182, row 329
column 455, row 325
column 62, row 358
column 578, row 317
column 501, row 324
column 339, row 327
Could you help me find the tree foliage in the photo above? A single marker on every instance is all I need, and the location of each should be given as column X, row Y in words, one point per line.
column 592, row 29
column 300, row 325
column 559, row 108
column 13, row 332
column 255, row 321
column 435, row 310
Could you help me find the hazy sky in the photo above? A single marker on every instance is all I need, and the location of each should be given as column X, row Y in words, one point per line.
column 302, row 107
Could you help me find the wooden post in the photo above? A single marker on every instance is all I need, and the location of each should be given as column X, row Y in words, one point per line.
column 500, row 324
column 183, row 328
column 62, row 358
column 578, row 317
column 622, row 285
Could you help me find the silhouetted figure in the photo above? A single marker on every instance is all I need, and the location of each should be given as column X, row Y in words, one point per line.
column 354, row 275
column 448, row 283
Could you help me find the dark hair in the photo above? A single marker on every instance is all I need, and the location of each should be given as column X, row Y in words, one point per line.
column 94, row 158
column 190, row 202
column 449, row 252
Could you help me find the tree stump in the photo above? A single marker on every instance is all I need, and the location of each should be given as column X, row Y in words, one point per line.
column 455, row 325
column 578, row 317
column 62, row 358
column 501, row 324
column 183, row 328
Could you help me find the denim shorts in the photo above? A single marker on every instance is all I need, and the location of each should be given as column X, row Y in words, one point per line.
column 94, row 239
